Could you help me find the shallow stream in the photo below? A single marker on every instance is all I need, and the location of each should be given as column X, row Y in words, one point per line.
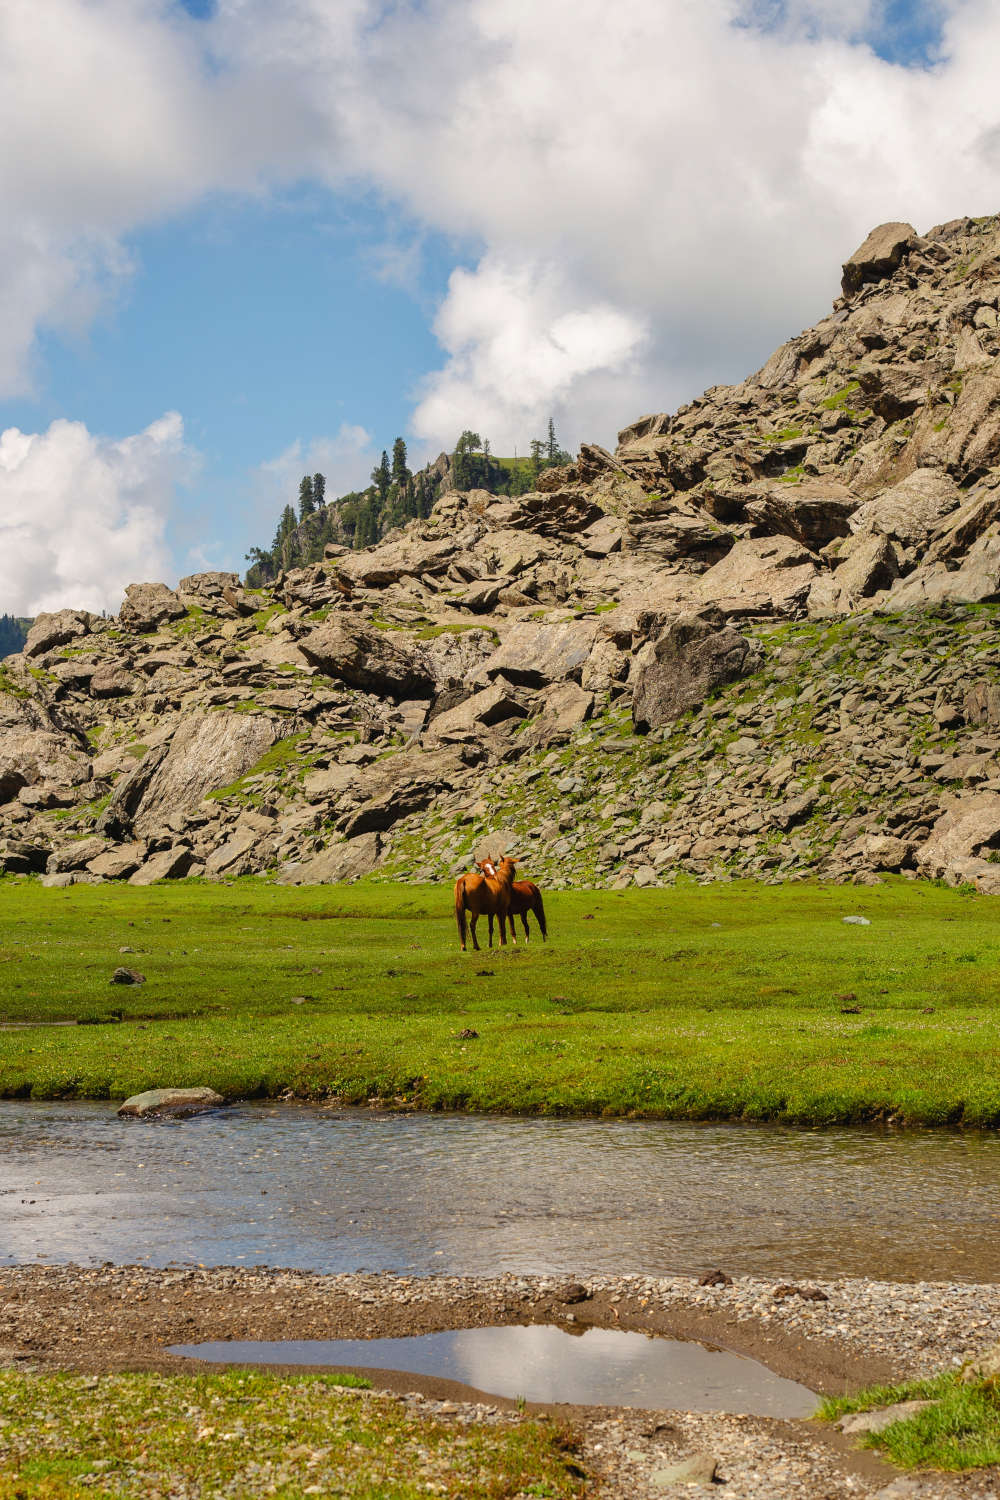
column 345, row 1190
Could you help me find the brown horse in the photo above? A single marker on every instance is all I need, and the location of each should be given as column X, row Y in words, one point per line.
column 487, row 894
column 525, row 897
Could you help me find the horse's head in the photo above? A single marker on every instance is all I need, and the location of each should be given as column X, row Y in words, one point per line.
column 487, row 868
column 505, row 867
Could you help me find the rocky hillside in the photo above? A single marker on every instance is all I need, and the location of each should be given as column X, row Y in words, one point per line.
column 759, row 638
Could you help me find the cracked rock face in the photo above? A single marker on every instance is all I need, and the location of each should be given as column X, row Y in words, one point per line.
column 830, row 525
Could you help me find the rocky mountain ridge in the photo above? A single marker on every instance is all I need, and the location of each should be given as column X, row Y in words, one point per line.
column 758, row 638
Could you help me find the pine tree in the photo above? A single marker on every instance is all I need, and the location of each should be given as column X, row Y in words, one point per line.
column 464, row 465
column 551, row 446
column 382, row 478
column 319, row 490
column 400, row 473
column 307, row 503
column 537, row 462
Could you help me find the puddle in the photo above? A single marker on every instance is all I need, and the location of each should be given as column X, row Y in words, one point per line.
column 598, row 1367
column 344, row 1190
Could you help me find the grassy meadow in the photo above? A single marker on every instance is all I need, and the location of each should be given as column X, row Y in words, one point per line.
column 727, row 1001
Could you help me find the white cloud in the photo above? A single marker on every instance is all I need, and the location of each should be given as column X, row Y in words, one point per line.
column 681, row 171
column 82, row 516
column 517, row 344
column 660, row 191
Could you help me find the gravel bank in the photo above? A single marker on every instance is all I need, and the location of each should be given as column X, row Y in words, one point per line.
column 114, row 1318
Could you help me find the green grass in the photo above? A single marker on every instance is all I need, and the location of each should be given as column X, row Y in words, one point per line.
column 280, row 756
column 842, row 397
column 243, row 1433
column 961, row 1432
column 638, row 1005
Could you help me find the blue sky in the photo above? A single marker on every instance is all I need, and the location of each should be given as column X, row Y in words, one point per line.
column 246, row 241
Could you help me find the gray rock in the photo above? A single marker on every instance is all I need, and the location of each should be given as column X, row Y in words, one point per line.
column 127, row 976
column 536, row 655
column 699, row 1469
column 856, row 921
column 383, row 661
column 344, row 862
column 981, row 704
column 879, row 255
column 812, row 513
column 690, row 658
column 110, row 682
column 985, row 1366
column 969, row 826
column 246, row 850
column 207, row 752
column 119, row 863
column 175, row 1103
column 494, row 705
column 169, row 864
column 58, row 629
column 761, row 575
column 76, row 855
column 882, row 1417
column 147, row 605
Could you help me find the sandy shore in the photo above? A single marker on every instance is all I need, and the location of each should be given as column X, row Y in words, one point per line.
column 856, row 1332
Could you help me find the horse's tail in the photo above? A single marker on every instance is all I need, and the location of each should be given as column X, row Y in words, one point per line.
column 460, row 907
column 539, row 910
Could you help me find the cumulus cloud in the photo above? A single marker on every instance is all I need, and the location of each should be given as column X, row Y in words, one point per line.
column 669, row 186
column 82, row 516
column 517, row 342
column 655, row 193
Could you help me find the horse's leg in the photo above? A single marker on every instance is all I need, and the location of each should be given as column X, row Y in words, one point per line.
column 524, row 924
column 489, row 918
column 473, row 919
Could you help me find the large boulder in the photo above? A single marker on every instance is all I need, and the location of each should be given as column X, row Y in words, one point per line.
column 380, row 661
column 169, row 864
column 494, row 705
column 910, row 511
column 672, row 531
column 968, row 828
column 880, row 255
column 813, row 512
column 761, row 575
column 869, row 565
column 147, row 605
column 245, row 851
column 344, row 862
column 173, row 1103
column 691, row 657
column 537, row 654
column 58, row 629
column 207, row 752
column 404, row 554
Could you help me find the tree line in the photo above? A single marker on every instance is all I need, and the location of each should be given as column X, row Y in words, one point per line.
column 395, row 496
column 13, row 634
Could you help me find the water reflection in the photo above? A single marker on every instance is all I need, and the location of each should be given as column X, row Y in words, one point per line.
column 603, row 1366
column 339, row 1191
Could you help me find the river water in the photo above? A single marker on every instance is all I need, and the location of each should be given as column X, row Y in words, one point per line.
column 349, row 1190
